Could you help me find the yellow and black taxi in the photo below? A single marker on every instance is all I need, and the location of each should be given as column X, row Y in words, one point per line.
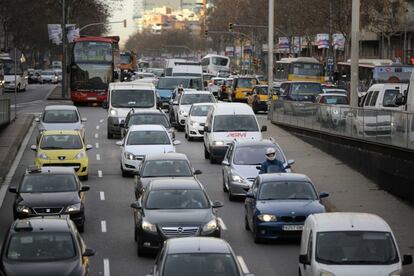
column 62, row 148
column 50, row 191
column 241, row 87
column 44, row 246
column 261, row 98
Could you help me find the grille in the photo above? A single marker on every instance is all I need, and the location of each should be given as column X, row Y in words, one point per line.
column 47, row 210
column 293, row 218
column 201, row 131
column 379, row 124
column 251, row 179
column 139, row 157
column 179, row 231
column 75, row 165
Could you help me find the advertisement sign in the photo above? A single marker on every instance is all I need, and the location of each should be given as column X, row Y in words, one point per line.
column 297, row 44
column 338, row 42
column 72, row 32
column 229, row 51
column 322, row 41
column 55, row 33
column 284, row 44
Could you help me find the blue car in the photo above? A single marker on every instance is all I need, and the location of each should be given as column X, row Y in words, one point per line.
column 278, row 204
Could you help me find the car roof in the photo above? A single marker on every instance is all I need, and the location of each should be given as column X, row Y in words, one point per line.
column 50, row 170
column 131, row 85
column 58, row 132
column 283, row 177
column 232, row 108
column 333, row 94
column 180, row 77
column 166, row 156
column 249, row 143
column 261, row 85
column 168, row 184
column 147, row 127
column 348, row 221
column 192, row 91
column 43, row 224
column 301, row 82
column 197, row 245
column 146, row 111
column 61, row 107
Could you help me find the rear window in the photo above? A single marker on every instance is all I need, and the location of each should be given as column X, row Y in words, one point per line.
column 60, row 116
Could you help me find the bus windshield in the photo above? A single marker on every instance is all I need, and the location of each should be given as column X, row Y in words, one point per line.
column 125, row 58
column 219, row 61
column 91, row 76
column 89, row 51
column 307, row 69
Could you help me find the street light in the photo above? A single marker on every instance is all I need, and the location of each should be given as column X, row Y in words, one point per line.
column 103, row 23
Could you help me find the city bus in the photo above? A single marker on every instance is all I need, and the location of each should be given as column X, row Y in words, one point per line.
column 94, row 64
column 215, row 64
column 299, row 69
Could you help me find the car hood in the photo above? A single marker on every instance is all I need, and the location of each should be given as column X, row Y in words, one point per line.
column 50, row 199
column 60, row 126
column 286, row 207
column 186, row 108
column 366, row 270
column 60, row 153
column 246, row 171
column 198, row 119
column 149, row 149
column 63, row 268
column 146, row 180
column 179, row 217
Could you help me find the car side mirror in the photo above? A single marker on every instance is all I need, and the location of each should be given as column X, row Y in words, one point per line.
column 37, row 119
column 264, row 128
column 176, row 143
column 136, row 172
column 33, row 147
column 304, row 259
column 290, row 162
column 323, row 194
column 175, row 103
column 225, row 163
column 119, row 143
column 250, row 194
column 207, row 129
column 122, row 124
column 105, row 104
column 89, row 147
column 85, row 188
column 84, row 120
column 136, row 205
column 88, row 252
column 198, row 172
column 407, row 259
column 13, row 190
column 259, row 167
column 217, row 204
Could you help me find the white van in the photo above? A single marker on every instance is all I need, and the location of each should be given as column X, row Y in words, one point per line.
column 344, row 244
column 124, row 96
column 187, row 70
column 227, row 122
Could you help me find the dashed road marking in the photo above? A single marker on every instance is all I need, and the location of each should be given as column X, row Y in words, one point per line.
column 101, row 121
column 98, row 157
column 223, row 226
column 243, row 265
column 103, row 226
column 102, row 195
column 106, row 267
column 97, row 145
column 99, row 173
column 96, row 135
column 97, row 127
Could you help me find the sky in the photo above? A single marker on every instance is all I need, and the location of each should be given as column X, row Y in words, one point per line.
column 120, row 14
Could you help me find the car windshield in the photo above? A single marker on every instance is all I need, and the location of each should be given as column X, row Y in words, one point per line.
column 40, row 247
column 149, row 119
column 60, row 116
column 262, row 90
column 61, row 141
column 50, row 183
column 188, row 99
column 172, row 83
column 148, row 137
column 254, row 155
column 200, row 110
column 226, row 123
column 91, row 76
column 287, row 190
column 390, row 96
column 163, row 168
column 132, row 98
column 200, row 264
column 330, row 99
column 246, row 83
column 305, row 91
column 177, row 199
column 356, row 248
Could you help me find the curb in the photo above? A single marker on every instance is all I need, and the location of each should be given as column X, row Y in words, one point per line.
column 11, row 153
column 56, row 94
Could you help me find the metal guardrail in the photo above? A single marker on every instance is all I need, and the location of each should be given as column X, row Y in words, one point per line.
column 4, row 111
column 387, row 127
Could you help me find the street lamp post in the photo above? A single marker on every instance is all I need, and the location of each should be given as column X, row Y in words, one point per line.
column 354, row 53
column 64, row 43
column 270, row 46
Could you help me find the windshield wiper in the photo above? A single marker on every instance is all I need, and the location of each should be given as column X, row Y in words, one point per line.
column 46, row 148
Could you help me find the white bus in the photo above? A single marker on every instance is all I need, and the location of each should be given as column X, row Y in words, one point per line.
column 215, row 64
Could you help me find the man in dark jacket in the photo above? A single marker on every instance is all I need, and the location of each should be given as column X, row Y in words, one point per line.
column 271, row 161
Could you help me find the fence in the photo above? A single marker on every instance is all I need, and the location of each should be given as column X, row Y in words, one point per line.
column 388, row 127
column 4, row 111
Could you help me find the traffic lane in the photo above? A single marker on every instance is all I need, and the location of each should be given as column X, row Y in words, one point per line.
column 273, row 258
column 34, row 92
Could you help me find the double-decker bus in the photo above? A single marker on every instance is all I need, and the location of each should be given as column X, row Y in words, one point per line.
column 94, row 64
column 299, row 69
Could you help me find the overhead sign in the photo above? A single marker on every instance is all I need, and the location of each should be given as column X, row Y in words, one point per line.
column 322, row 41
column 55, row 33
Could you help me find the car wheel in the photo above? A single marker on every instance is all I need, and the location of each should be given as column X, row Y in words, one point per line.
column 231, row 196
column 246, row 223
column 212, row 160
column 186, row 135
column 81, row 227
column 299, row 273
column 224, row 184
column 206, row 153
column 256, row 238
column 110, row 135
column 85, row 177
column 141, row 251
column 124, row 173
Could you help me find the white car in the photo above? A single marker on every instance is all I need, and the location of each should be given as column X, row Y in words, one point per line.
column 333, row 109
column 140, row 141
column 197, row 116
column 343, row 244
column 49, row 76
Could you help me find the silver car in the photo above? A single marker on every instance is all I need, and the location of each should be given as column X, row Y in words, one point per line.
column 61, row 117
column 241, row 161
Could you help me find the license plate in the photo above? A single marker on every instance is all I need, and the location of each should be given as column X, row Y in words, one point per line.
column 292, row 227
column 91, row 98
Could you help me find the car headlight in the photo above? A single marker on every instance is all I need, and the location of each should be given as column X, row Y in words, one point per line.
column 395, row 273
column 23, row 209
column 42, row 155
column 73, row 208
column 113, row 112
column 147, row 226
column 218, row 143
column 194, row 123
column 129, row 156
column 182, row 112
column 326, row 273
column 237, row 178
column 335, row 111
column 267, row 218
column 210, row 226
column 80, row 155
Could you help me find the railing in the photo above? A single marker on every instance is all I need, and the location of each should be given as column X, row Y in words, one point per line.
column 388, row 127
column 4, row 111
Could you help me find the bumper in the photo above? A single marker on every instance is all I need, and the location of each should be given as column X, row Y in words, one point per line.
column 195, row 131
column 113, row 125
column 79, row 165
column 260, row 105
column 77, row 217
column 239, row 189
column 90, row 97
column 181, row 120
column 218, row 152
column 130, row 165
column 275, row 230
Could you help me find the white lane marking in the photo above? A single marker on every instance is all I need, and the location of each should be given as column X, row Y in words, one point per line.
column 97, row 127
column 243, row 265
column 101, row 121
column 98, row 157
column 16, row 162
column 97, row 145
column 100, row 174
column 223, row 226
column 96, row 135
column 106, row 267
column 103, row 226
column 102, row 195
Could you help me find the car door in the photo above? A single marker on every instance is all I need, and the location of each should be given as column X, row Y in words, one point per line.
column 207, row 134
column 227, row 168
column 251, row 203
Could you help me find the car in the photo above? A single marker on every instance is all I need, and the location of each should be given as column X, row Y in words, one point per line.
column 197, row 116
column 62, row 148
column 162, row 166
column 49, row 76
column 140, row 141
column 61, row 117
column 335, row 91
column 240, row 164
column 34, row 77
column 260, row 98
column 59, row 74
column 333, row 109
column 225, row 123
column 224, row 91
column 146, row 117
column 300, row 91
column 349, row 244
column 50, row 191
column 171, row 208
column 197, row 256
column 278, row 204
column 184, row 104
column 215, row 85
column 45, row 246
column 242, row 85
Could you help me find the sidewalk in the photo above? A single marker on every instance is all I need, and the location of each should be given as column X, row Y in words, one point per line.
column 56, row 94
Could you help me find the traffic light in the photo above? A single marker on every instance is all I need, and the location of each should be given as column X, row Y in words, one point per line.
column 230, row 27
column 205, row 33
